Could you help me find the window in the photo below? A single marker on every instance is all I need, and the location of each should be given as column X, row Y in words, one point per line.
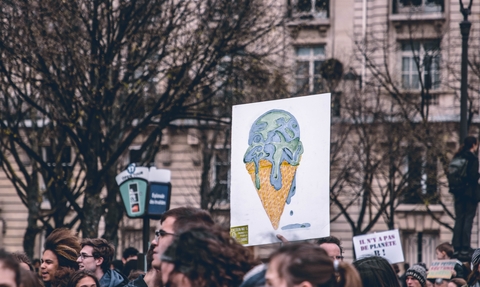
column 421, row 60
column 312, row 8
column 421, row 175
column 418, row 6
column 336, row 97
column 50, row 158
column 307, row 73
column 221, row 174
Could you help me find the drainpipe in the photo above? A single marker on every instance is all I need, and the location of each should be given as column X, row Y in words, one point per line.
column 364, row 36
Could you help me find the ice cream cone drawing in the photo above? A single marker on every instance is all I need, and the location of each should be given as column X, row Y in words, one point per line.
column 272, row 159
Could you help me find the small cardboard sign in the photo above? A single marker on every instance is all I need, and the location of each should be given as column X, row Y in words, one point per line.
column 386, row 244
column 441, row 269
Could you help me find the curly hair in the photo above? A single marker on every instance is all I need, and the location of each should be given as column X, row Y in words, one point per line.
column 62, row 275
column 79, row 275
column 209, row 257
column 299, row 262
column 65, row 245
column 101, row 248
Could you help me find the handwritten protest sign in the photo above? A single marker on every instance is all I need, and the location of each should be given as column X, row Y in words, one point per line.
column 280, row 170
column 441, row 269
column 386, row 244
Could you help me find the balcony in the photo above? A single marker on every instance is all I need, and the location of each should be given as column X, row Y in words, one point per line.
column 309, row 14
column 429, row 13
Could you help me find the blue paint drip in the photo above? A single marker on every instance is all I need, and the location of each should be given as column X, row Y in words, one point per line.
column 296, row 226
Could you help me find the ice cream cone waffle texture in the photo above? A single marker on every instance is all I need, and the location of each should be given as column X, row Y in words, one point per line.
column 273, row 200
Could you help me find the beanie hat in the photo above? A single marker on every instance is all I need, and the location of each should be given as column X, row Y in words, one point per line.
column 476, row 257
column 417, row 272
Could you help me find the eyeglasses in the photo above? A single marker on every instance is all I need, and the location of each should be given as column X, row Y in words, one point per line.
column 162, row 233
column 83, row 256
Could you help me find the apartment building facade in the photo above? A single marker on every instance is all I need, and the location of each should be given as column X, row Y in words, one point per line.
column 410, row 47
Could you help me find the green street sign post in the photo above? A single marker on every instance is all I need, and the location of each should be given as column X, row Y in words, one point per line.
column 146, row 194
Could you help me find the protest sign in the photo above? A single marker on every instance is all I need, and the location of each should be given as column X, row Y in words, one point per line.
column 441, row 269
column 280, row 165
column 386, row 244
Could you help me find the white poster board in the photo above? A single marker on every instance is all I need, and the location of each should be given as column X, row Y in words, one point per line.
column 386, row 244
column 280, row 170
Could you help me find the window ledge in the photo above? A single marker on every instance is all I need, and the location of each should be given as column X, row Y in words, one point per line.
column 435, row 16
column 311, row 23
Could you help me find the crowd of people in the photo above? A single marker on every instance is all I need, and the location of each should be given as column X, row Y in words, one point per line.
column 190, row 250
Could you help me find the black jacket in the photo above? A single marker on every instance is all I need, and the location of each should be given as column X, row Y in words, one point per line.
column 472, row 175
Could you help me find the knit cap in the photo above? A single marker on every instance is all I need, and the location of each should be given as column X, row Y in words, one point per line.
column 417, row 272
column 476, row 257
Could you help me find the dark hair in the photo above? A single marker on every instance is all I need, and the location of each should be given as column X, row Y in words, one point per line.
column 458, row 281
column 61, row 277
column 129, row 251
column 8, row 262
column 101, row 249
column 134, row 274
column 129, row 267
column 65, row 245
column 376, row 271
column 474, row 275
column 29, row 279
column 79, row 275
column 299, row 262
column 209, row 257
column 447, row 248
column 188, row 214
column 468, row 143
column 150, row 256
column 331, row 239
column 21, row 257
column 117, row 264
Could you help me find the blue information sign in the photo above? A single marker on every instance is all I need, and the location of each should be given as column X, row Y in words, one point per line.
column 159, row 200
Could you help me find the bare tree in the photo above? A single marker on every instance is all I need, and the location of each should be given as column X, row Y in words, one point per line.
column 102, row 73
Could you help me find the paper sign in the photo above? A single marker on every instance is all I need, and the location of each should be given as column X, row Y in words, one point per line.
column 441, row 269
column 280, row 169
column 386, row 244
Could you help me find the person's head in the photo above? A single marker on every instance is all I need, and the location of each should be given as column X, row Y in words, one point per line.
column 170, row 224
column 116, row 264
column 439, row 282
column 332, row 245
column 23, row 260
column 376, row 271
column 456, row 282
column 9, row 270
column 416, row 276
column 309, row 265
column 130, row 266
column 444, row 251
column 470, row 143
column 205, row 257
column 96, row 255
column 83, row 278
column 61, row 250
column 129, row 253
column 475, row 274
column 29, row 279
